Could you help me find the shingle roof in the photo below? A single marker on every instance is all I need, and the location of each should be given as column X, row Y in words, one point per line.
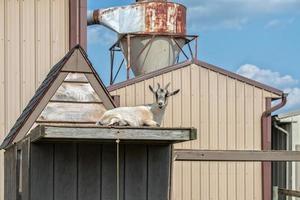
column 42, row 90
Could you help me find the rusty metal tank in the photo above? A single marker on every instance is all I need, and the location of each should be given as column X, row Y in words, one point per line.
column 157, row 30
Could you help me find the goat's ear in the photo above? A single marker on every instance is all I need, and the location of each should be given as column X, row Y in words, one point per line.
column 173, row 93
column 151, row 89
column 166, row 88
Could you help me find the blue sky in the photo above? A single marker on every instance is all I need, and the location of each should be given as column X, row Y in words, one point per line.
column 257, row 39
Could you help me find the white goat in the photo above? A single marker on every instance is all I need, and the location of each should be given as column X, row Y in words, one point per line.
column 144, row 115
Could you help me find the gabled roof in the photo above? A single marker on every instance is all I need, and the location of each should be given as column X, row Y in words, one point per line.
column 200, row 64
column 75, row 61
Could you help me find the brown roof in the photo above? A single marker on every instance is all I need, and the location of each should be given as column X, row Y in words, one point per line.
column 200, row 64
column 42, row 91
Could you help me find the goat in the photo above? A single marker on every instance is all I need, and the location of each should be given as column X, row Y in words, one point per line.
column 144, row 115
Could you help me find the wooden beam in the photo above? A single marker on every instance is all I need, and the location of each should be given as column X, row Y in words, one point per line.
column 235, row 155
column 78, row 133
column 291, row 193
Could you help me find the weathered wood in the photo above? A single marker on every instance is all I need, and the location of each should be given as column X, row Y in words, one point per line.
column 41, row 172
column 77, row 63
column 136, row 172
column 292, row 193
column 82, row 92
column 109, row 172
column 158, row 172
column 10, row 189
column 25, row 148
column 104, row 133
column 89, row 174
column 103, row 94
column 65, row 172
column 72, row 112
column 76, row 77
column 235, row 155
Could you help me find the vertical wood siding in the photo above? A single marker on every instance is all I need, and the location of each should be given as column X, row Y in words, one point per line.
column 33, row 37
column 227, row 114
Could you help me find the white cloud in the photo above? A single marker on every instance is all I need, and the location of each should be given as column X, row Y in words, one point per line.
column 213, row 14
column 279, row 23
column 99, row 34
column 293, row 98
column 266, row 76
column 284, row 82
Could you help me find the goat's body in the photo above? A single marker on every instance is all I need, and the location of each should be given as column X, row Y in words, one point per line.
column 147, row 115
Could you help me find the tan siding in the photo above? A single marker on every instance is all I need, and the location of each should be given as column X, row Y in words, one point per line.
column 227, row 114
column 203, row 135
column 231, row 137
column 33, row 35
column 195, row 119
column 2, row 94
column 222, row 133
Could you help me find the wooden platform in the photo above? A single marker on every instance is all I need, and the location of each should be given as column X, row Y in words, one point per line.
column 107, row 134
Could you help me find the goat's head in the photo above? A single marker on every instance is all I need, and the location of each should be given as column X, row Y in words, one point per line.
column 162, row 95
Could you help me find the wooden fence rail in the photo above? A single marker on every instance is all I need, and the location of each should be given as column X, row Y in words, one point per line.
column 236, row 155
column 286, row 192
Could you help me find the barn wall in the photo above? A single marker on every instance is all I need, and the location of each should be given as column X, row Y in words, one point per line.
column 33, row 37
column 226, row 113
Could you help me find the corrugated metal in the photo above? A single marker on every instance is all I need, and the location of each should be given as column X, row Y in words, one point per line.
column 226, row 113
column 33, row 36
column 292, row 125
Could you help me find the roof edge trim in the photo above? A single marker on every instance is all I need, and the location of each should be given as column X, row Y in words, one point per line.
column 199, row 63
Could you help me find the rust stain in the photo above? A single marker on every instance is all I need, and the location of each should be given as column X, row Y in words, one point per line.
column 165, row 17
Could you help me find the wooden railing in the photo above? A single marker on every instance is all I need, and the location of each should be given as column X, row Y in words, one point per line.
column 291, row 193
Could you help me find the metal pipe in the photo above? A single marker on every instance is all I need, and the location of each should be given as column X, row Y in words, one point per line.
column 266, row 145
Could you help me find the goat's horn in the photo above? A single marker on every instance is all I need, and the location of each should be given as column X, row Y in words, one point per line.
column 158, row 85
column 167, row 86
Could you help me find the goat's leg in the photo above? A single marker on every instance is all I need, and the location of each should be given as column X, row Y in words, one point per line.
column 150, row 123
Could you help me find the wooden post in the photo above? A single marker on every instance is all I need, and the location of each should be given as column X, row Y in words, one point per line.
column 275, row 193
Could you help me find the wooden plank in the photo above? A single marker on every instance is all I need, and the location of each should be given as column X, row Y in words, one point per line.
column 25, row 167
column 291, row 193
column 65, row 172
column 89, row 174
column 10, row 189
column 81, row 92
column 77, row 63
column 96, row 132
column 109, row 172
column 135, row 172
column 236, row 155
column 74, row 112
column 40, row 107
column 158, row 172
column 76, row 78
column 41, row 170
column 100, row 90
